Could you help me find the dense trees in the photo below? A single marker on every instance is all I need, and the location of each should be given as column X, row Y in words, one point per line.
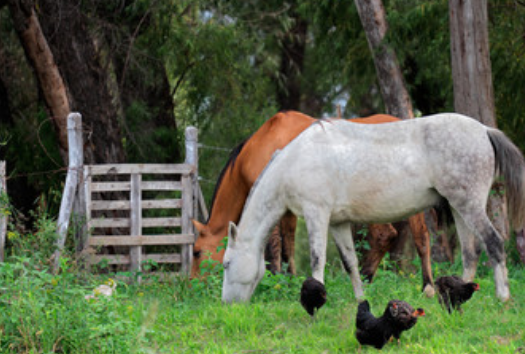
column 140, row 71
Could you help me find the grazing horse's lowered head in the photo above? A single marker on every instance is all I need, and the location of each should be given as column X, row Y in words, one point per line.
column 246, row 262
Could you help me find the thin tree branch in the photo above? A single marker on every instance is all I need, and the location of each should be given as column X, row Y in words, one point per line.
column 132, row 41
column 181, row 78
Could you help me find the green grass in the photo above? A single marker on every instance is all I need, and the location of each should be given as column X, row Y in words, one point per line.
column 42, row 313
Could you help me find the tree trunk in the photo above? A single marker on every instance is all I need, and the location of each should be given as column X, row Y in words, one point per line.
column 86, row 76
column 395, row 95
column 42, row 60
column 472, row 77
column 292, row 63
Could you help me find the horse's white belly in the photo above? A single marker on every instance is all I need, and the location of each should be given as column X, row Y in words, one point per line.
column 378, row 205
column 383, row 194
column 364, row 187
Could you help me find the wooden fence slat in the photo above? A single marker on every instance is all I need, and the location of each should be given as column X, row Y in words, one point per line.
column 146, row 204
column 125, row 222
column 161, row 222
column 140, row 240
column 161, row 186
column 126, row 186
column 110, row 259
column 110, row 186
column 109, row 222
column 119, row 169
column 125, row 259
column 110, row 205
column 162, row 204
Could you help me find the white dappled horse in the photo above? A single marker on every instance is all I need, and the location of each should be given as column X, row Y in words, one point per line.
column 336, row 172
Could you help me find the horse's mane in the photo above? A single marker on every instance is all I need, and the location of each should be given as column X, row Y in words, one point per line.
column 229, row 165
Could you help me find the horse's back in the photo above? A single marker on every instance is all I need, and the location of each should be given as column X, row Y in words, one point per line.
column 387, row 171
column 273, row 135
column 375, row 119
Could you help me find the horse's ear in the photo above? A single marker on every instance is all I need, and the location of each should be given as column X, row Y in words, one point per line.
column 232, row 232
column 199, row 226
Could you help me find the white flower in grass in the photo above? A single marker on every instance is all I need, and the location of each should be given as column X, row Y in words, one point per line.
column 105, row 289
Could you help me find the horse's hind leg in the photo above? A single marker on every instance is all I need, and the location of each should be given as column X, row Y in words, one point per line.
column 288, row 225
column 470, row 247
column 483, row 228
column 422, row 241
column 342, row 234
column 273, row 251
column 381, row 238
column 281, row 245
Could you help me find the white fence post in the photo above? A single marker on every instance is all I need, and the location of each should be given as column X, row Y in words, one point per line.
column 3, row 215
column 135, row 252
column 76, row 161
column 192, row 158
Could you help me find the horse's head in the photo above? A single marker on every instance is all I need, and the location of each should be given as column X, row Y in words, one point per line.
column 205, row 247
column 243, row 268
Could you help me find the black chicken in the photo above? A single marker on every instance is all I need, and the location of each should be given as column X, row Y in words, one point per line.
column 399, row 316
column 454, row 291
column 313, row 295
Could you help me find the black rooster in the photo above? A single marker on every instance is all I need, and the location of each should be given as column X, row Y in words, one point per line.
column 313, row 295
column 399, row 316
column 454, row 291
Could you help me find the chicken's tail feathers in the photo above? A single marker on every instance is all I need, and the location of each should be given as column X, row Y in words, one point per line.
column 363, row 314
column 363, row 306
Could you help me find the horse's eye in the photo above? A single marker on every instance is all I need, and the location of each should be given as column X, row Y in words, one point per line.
column 197, row 254
column 226, row 265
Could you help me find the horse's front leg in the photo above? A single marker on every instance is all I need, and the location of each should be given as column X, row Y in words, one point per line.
column 317, row 224
column 342, row 234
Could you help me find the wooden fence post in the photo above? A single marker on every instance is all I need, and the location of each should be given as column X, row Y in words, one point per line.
column 186, row 225
column 192, row 158
column 76, row 160
column 190, row 195
column 3, row 215
column 135, row 252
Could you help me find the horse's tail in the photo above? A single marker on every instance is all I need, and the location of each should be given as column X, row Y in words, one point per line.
column 510, row 164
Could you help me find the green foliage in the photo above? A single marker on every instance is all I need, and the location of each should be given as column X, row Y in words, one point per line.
column 40, row 243
column 419, row 34
column 41, row 312
column 275, row 287
column 507, row 47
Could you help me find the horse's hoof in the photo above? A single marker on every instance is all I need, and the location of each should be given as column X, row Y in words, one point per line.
column 429, row 291
column 503, row 296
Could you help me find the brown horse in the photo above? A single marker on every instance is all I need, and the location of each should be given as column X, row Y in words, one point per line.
column 240, row 173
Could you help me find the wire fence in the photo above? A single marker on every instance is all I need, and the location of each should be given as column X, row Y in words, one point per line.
column 219, row 149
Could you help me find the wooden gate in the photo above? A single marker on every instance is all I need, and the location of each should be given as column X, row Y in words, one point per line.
column 140, row 206
column 142, row 211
